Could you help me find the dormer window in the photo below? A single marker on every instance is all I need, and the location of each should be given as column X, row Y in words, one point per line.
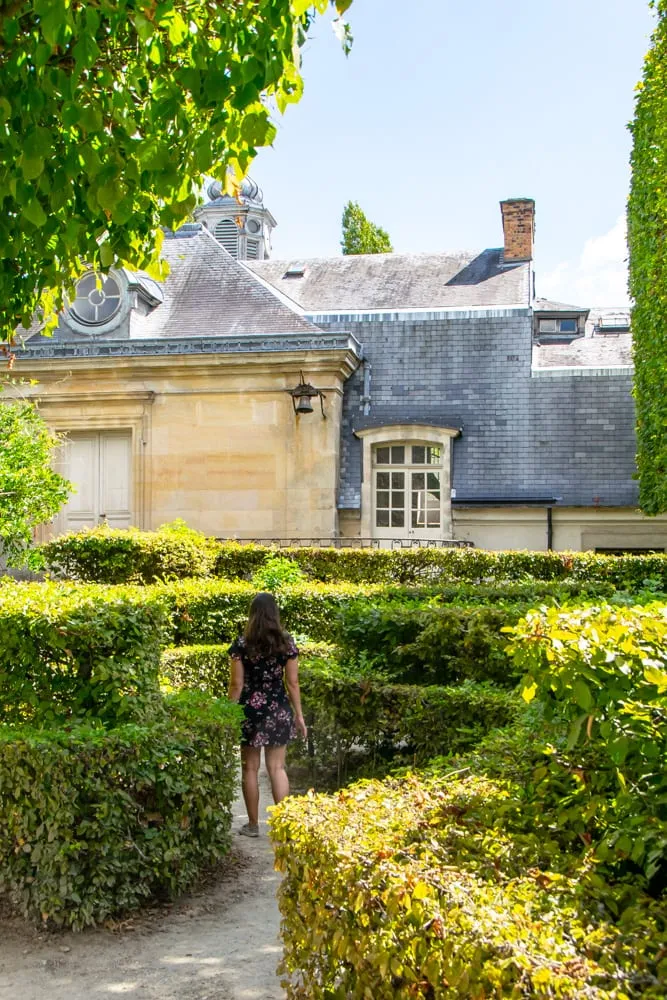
column 559, row 326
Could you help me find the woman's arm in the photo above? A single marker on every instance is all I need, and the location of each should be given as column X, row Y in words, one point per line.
column 294, row 692
column 235, row 678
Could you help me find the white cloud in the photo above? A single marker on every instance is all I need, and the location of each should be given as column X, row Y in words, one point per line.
column 598, row 278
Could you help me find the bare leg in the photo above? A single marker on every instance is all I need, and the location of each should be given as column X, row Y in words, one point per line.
column 250, row 758
column 275, row 765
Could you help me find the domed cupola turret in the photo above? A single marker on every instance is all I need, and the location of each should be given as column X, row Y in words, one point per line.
column 242, row 225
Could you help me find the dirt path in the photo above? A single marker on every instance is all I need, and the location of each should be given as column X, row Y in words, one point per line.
column 219, row 943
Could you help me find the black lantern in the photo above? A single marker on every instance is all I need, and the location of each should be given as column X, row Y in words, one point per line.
column 302, row 395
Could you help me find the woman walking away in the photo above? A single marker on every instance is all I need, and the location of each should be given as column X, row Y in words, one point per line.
column 264, row 672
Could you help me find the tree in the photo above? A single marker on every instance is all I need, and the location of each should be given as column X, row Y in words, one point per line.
column 647, row 225
column 360, row 235
column 112, row 112
column 31, row 493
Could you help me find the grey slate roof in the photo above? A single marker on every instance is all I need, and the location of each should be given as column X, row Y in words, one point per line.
column 460, row 280
column 208, row 293
column 599, row 348
column 547, row 305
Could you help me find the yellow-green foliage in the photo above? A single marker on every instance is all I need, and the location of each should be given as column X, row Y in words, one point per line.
column 647, row 223
column 605, row 670
column 421, row 889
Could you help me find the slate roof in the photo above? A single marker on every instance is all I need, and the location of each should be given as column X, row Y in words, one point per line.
column 599, row 348
column 208, row 293
column 458, row 280
column 547, row 305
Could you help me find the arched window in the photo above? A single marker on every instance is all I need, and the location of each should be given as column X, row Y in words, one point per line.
column 406, row 488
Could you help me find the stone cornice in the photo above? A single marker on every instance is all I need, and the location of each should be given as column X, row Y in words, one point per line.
column 336, row 354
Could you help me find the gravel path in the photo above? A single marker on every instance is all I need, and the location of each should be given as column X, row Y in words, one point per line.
column 219, row 943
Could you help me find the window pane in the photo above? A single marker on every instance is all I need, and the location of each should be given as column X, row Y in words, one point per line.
column 415, row 500
column 398, row 499
column 382, row 518
column 397, row 480
column 382, row 480
column 568, row 326
column 382, row 456
column 418, row 519
column 418, row 480
column 433, row 456
column 398, row 519
column 382, row 499
column 398, row 455
column 433, row 480
column 433, row 516
column 548, row 326
column 418, row 454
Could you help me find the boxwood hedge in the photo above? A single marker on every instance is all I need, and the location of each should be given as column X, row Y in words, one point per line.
column 70, row 651
column 94, row 821
column 357, row 719
column 105, row 555
column 437, row 889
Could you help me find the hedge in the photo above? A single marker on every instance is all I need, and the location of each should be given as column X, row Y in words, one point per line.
column 71, row 651
column 214, row 611
column 420, row 889
column 604, row 669
column 206, row 667
column 357, row 720
column 110, row 556
column 113, row 556
column 95, row 821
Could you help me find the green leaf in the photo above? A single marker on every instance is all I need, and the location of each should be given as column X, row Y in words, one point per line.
column 582, row 694
column 34, row 213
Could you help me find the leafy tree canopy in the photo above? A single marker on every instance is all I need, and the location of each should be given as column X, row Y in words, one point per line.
column 360, row 235
column 112, row 112
column 30, row 491
column 647, row 224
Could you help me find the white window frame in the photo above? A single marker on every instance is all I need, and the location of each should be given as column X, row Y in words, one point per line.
column 407, row 434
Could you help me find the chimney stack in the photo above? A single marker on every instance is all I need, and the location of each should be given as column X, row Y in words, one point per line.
column 518, row 229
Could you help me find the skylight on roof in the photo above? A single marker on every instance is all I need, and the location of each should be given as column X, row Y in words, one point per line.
column 615, row 322
column 296, row 270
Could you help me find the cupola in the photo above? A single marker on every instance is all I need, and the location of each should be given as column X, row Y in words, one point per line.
column 241, row 224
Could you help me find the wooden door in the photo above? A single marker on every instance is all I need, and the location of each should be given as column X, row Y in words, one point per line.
column 98, row 463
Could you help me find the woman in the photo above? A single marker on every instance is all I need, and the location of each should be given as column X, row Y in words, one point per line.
column 264, row 678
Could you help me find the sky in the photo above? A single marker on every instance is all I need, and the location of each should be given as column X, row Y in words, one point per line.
column 443, row 109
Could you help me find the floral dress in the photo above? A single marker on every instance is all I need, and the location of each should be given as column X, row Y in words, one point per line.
column 268, row 715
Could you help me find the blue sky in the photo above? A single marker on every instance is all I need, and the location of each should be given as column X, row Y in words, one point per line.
column 444, row 108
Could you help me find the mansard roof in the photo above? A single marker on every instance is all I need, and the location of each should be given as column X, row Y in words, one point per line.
column 449, row 280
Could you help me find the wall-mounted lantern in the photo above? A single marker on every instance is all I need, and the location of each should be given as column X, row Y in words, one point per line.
column 302, row 394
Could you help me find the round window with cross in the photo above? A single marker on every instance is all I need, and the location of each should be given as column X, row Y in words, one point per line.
column 98, row 299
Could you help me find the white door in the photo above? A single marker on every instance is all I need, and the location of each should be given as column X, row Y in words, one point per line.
column 407, row 492
column 98, row 463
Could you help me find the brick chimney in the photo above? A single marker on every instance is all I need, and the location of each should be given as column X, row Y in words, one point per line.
column 518, row 228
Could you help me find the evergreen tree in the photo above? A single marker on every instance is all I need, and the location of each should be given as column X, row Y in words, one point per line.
column 360, row 235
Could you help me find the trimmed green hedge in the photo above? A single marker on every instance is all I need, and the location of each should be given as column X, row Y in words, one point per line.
column 113, row 556
column 70, row 651
column 94, row 821
column 357, row 720
column 214, row 611
column 108, row 556
column 419, row 889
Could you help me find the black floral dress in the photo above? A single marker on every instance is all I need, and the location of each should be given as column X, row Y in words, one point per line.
column 268, row 715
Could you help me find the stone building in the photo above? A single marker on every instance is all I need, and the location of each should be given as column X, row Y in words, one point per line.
column 399, row 398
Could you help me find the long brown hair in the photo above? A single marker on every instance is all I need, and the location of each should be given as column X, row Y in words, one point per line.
column 264, row 635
